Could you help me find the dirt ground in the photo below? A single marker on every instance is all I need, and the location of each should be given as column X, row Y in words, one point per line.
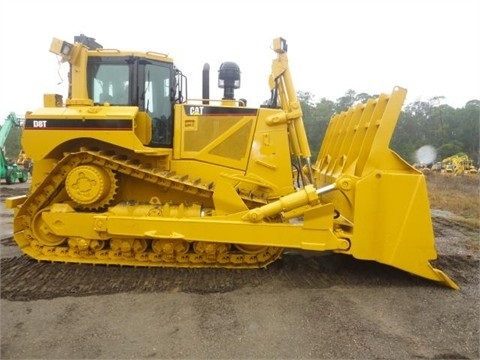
column 305, row 306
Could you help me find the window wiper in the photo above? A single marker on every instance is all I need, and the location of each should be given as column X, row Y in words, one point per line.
column 142, row 97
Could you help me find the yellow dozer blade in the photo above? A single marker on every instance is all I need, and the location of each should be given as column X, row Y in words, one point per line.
column 380, row 196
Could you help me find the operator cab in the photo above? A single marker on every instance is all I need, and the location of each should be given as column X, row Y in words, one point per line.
column 136, row 81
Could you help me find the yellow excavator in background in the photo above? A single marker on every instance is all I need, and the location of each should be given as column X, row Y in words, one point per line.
column 130, row 171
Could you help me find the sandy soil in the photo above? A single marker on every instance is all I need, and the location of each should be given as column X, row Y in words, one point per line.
column 305, row 306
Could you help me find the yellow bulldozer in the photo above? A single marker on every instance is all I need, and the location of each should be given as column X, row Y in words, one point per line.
column 131, row 171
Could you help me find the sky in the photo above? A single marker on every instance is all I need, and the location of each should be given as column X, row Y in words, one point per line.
column 429, row 47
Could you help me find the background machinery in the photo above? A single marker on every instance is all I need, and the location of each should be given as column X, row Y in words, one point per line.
column 133, row 172
column 458, row 164
column 24, row 161
column 9, row 170
column 437, row 167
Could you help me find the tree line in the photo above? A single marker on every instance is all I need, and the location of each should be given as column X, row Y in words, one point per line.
column 449, row 130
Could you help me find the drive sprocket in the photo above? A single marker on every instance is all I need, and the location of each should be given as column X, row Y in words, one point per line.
column 91, row 186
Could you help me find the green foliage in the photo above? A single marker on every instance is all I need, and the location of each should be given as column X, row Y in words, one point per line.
column 452, row 148
column 450, row 130
column 316, row 118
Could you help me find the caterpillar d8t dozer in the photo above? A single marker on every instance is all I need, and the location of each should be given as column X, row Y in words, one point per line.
column 130, row 171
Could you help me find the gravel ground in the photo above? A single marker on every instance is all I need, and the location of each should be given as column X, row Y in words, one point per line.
column 305, row 306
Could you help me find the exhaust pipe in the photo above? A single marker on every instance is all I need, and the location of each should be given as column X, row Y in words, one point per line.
column 206, row 83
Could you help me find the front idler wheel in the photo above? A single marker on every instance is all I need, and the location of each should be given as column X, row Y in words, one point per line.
column 42, row 232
